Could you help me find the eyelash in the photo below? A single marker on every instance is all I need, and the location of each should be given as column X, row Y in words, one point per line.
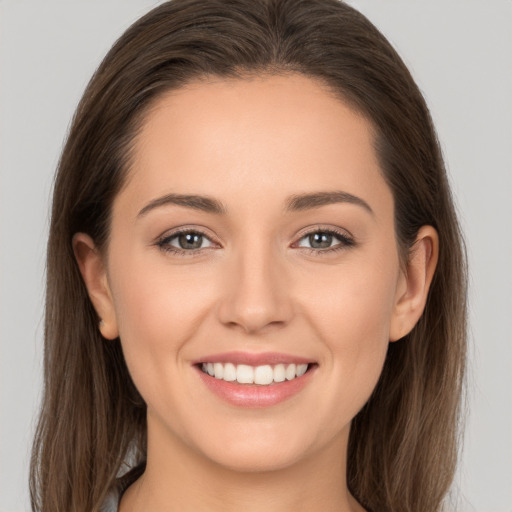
column 164, row 243
column 345, row 242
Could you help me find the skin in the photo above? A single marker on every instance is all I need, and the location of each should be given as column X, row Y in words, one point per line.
column 254, row 286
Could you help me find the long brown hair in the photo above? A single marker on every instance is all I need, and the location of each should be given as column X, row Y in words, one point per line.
column 403, row 443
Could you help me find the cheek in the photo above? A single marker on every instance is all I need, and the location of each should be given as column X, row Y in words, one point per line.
column 354, row 302
column 353, row 320
column 158, row 312
column 156, row 301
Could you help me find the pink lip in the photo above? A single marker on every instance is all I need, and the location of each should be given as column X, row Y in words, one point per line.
column 253, row 359
column 254, row 395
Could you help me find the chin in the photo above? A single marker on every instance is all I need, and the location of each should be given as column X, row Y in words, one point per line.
column 247, row 450
column 253, row 459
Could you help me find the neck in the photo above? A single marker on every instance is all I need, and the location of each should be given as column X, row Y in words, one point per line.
column 178, row 478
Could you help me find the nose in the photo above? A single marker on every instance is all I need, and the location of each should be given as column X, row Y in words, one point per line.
column 256, row 293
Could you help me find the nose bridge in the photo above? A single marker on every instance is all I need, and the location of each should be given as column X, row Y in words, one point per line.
column 256, row 296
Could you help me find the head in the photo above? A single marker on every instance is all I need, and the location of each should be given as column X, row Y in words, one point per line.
column 397, row 437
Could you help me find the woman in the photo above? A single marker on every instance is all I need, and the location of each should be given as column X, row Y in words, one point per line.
column 256, row 283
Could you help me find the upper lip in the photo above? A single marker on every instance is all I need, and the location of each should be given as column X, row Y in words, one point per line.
column 253, row 359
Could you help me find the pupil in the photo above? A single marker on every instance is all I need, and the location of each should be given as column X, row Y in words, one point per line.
column 190, row 240
column 320, row 240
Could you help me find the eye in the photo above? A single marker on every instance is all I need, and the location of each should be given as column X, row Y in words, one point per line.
column 325, row 240
column 185, row 241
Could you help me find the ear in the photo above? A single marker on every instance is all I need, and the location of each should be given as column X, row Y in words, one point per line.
column 93, row 270
column 414, row 283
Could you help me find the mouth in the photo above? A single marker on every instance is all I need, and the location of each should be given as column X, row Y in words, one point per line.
column 255, row 380
column 262, row 375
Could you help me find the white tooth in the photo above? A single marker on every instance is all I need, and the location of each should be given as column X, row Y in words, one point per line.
column 245, row 374
column 229, row 372
column 263, row 375
column 204, row 368
column 218, row 369
column 279, row 373
column 301, row 369
column 290, row 372
column 209, row 369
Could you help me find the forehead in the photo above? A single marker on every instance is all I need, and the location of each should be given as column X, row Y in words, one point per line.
column 266, row 135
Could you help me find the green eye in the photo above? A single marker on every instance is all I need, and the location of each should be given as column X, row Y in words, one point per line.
column 320, row 240
column 188, row 241
column 324, row 240
column 185, row 241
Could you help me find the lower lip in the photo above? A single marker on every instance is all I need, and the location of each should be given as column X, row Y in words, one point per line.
column 254, row 395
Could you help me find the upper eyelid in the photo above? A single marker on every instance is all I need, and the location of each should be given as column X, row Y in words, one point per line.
column 302, row 232
column 178, row 231
column 323, row 229
column 342, row 238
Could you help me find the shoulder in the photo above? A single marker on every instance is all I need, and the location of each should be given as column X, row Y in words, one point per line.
column 111, row 502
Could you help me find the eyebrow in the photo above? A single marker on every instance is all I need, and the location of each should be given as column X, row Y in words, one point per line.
column 295, row 203
column 203, row 203
column 302, row 202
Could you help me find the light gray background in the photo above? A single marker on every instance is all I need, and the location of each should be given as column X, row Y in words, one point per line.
column 460, row 53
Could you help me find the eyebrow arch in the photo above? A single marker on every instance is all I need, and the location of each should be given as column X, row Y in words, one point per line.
column 203, row 203
column 295, row 203
column 317, row 199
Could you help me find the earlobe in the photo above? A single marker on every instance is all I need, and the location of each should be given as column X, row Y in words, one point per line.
column 92, row 268
column 412, row 291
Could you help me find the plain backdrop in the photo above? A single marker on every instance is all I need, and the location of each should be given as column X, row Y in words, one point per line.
column 460, row 53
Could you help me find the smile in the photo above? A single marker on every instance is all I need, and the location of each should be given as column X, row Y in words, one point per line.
column 263, row 375
column 255, row 380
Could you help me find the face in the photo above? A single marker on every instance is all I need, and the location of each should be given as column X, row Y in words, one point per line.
column 254, row 239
